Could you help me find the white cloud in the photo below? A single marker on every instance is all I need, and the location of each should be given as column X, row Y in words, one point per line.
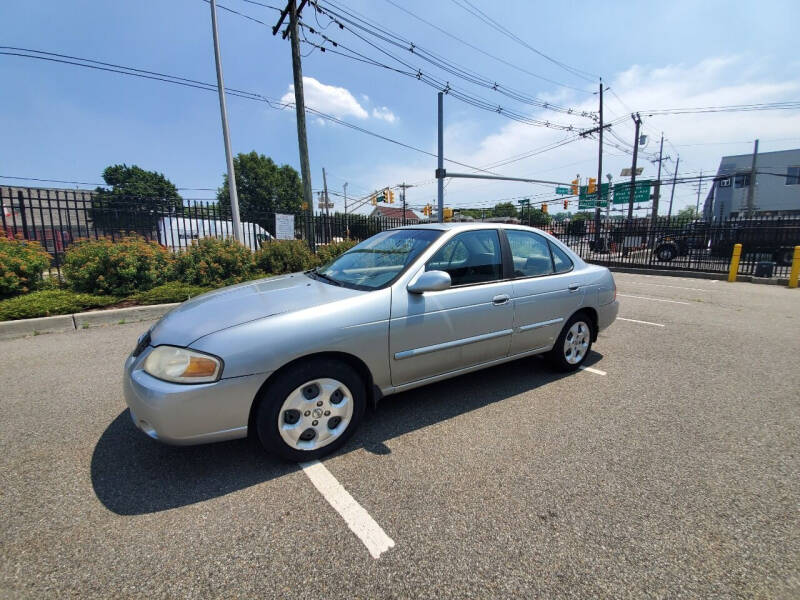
column 384, row 114
column 715, row 81
column 337, row 101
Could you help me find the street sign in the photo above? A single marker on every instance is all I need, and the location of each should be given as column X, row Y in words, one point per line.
column 524, row 202
column 562, row 190
column 588, row 201
column 284, row 226
column 627, row 172
column 641, row 193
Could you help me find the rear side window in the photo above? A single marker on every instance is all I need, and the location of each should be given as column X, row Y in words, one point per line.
column 470, row 257
column 561, row 261
column 530, row 253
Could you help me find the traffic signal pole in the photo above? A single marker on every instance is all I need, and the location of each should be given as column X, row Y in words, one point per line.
column 440, row 168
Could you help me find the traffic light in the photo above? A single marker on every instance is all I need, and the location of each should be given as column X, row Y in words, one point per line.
column 544, row 208
column 374, row 200
column 566, row 204
column 592, row 189
column 389, row 196
column 427, row 210
column 448, row 214
column 575, row 185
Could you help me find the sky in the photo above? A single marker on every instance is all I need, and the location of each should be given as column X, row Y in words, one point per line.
column 68, row 123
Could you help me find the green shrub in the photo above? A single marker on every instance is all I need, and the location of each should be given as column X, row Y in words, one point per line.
column 214, row 262
column 46, row 303
column 328, row 252
column 174, row 291
column 22, row 263
column 119, row 267
column 285, row 256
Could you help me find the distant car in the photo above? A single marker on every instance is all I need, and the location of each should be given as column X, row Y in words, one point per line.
column 296, row 359
column 694, row 236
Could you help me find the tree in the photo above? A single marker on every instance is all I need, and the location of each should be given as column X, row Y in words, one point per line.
column 504, row 209
column 687, row 214
column 135, row 201
column 562, row 216
column 262, row 187
column 538, row 218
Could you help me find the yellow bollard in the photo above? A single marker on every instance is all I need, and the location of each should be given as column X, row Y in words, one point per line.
column 793, row 275
column 737, row 254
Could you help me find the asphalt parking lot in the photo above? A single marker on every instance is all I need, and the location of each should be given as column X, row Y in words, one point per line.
column 669, row 469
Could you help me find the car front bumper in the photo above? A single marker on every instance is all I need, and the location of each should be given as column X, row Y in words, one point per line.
column 186, row 414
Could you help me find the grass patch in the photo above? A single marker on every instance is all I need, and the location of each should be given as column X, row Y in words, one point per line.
column 174, row 291
column 47, row 303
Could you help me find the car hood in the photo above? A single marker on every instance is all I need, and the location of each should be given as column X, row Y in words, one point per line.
column 241, row 303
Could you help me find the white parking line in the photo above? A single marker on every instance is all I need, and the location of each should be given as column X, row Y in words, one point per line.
column 357, row 518
column 638, row 321
column 675, row 287
column 592, row 370
column 653, row 299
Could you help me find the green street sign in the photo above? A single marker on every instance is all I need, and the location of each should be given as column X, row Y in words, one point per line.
column 562, row 191
column 524, row 202
column 641, row 192
column 586, row 200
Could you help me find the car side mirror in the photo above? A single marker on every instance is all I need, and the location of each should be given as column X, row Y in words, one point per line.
column 430, row 281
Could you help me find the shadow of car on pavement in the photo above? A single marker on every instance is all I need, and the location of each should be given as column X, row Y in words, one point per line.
column 133, row 474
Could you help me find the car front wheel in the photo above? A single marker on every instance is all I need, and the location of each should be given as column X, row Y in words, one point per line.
column 573, row 344
column 310, row 410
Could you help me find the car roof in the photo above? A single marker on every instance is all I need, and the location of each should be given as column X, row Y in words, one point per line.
column 480, row 225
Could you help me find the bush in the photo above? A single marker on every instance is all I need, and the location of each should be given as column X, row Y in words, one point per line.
column 327, row 253
column 118, row 267
column 214, row 262
column 174, row 291
column 21, row 265
column 285, row 256
column 46, row 303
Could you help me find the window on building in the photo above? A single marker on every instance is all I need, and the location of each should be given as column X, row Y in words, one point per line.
column 741, row 181
column 793, row 176
column 726, row 182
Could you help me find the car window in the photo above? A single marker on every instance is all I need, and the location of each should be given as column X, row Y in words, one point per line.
column 530, row 253
column 379, row 260
column 561, row 261
column 470, row 257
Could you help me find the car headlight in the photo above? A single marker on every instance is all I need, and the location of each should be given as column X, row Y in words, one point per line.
column 181, row 365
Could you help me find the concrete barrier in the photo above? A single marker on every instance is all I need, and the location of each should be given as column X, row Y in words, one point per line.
column 95, row 318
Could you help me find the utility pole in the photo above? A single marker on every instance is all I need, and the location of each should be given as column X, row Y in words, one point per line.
column 346, row 219
column 751, row 189
column 237, row 234
column 327, row 213
column 672, row 194
column 404, row 186
column 699, row 187
column 440, row 169
column 599, row 173
column 299, row 109
column 638, row 121
column 657, row 192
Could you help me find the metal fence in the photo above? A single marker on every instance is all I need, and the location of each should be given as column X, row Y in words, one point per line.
column 767, row 244
column 57, row 218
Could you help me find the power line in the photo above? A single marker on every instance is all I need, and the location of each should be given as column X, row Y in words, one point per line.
column 482, row 16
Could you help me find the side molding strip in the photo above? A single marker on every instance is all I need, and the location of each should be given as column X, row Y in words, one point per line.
column 453, row 344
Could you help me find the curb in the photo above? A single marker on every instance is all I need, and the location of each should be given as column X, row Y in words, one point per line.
column 701, row 275
column 132, row 314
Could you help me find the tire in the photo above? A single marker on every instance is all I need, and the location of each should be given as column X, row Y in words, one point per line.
column 784, row 257
column 567, row 355
column 297, row 413
column 666, row 252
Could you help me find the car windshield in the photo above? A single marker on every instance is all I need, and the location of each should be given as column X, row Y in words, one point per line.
column 379, row 260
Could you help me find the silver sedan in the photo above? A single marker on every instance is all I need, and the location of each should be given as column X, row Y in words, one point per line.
column 296, row 359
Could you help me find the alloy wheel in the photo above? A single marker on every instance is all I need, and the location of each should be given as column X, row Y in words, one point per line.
column 576, row 342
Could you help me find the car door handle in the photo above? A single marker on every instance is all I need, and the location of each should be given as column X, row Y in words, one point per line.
column 573, row 287
column 501, row 299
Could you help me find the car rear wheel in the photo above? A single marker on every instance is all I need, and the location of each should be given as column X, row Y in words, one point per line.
column 573, row 344
column 666, row 252
column 310, row 410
